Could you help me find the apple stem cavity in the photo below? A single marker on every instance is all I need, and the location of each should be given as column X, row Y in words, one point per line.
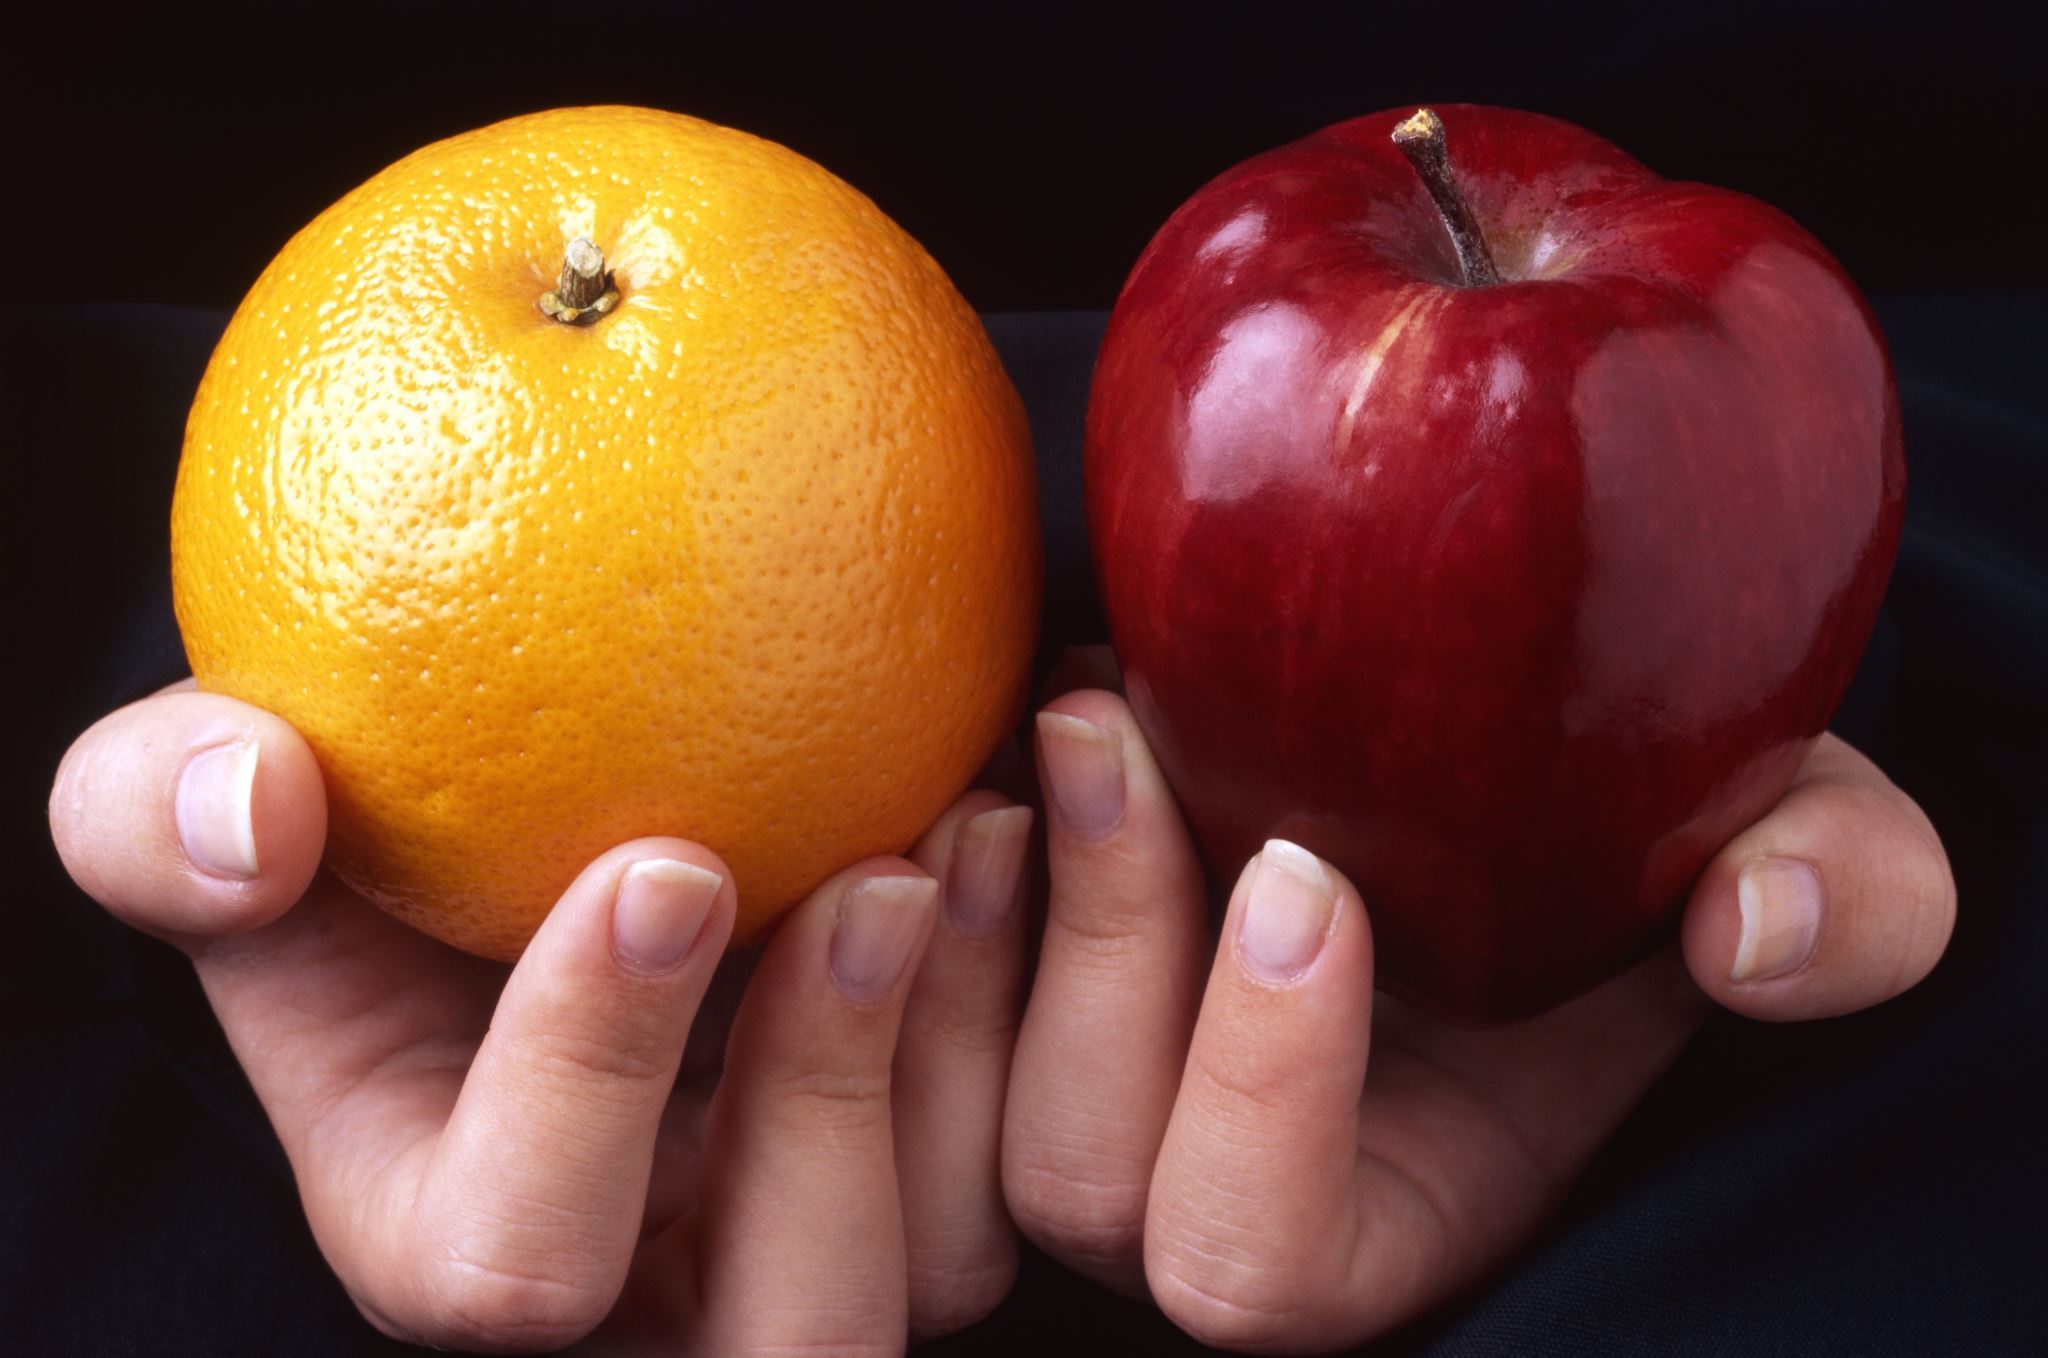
column 585, row 290
column 1421, row 139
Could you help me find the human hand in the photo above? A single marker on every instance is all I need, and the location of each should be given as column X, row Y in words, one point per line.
column 504, row 1158
column 1287, row 1161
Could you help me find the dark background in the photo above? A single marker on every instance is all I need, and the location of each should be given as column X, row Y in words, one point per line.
column 1870, row 1185
column 1033, row 148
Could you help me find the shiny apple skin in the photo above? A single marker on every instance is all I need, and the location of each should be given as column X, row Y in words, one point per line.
column 1514, row 602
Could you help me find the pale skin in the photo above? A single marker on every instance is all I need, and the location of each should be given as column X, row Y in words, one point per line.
column 1282, row 1159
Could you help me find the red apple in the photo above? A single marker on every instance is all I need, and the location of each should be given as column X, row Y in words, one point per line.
column 1513, row 586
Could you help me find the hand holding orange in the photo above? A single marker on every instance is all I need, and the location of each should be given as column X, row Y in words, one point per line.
column 607, row 473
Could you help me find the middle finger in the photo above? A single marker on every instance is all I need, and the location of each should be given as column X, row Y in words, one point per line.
column 1099, row 1054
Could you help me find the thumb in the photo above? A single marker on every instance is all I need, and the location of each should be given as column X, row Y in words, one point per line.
column 1839, row 899
column 190, row 814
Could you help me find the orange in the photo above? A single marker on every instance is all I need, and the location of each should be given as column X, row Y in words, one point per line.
column 748, row 555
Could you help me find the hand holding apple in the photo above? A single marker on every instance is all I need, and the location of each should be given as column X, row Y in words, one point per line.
column 1503, row 526
column 1285, row 1161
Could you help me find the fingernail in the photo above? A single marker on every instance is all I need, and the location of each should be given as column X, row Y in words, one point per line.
column 880, row 922
column 216, row 824
column 1286, row 913
column 661, row 908
column 1780, row 901
column 988, row 853
column 1085, row 765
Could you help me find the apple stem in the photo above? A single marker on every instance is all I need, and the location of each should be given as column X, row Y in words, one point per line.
column 585, row 290
column 1421, row 139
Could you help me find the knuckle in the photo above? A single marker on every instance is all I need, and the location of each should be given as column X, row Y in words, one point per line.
column 1237, row 1271
column 836, row 1315
column 1242, row 1087
column 1076, row 1202
column 949, row 1297
column 1107, row 902
column 1101, row 933
column 472, row 1305
column 1225, row 1302
column 579, row 1058
column 978, row 1030
column 819, row 1098
column 827, row 1348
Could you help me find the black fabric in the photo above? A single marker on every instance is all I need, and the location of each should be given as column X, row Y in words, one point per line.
column 1871, row 1185
column 1033, row 147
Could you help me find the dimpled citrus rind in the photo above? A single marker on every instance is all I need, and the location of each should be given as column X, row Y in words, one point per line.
column 752, row 560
